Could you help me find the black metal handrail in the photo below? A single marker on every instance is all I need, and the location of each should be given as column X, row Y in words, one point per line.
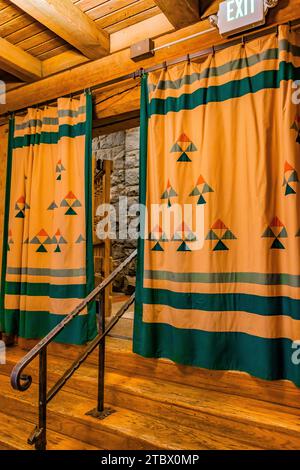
column 22, row 382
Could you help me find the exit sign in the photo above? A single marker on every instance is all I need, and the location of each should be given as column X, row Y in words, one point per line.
column 238, row 15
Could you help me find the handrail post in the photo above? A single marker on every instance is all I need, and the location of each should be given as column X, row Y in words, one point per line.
column 39, row 436
column 22, row 382
column 41, row 444
column 101, row 354
column 100, row 412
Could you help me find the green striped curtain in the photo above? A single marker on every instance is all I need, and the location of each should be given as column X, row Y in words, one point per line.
column 223, row 137
column 48, row 251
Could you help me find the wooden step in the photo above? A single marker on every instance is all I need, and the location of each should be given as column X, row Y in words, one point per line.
column 230, row 382
column 216, row 410
column 14, row 433
column 125, row 429
column 121, row 388
column 250, row 421
column 119, row 356
column 124, row 328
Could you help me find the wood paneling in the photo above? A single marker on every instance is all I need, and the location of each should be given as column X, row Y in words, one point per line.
column 113, row 9
column 21, row 29
column 26, row 33
column 70, row 23
column 48, row 54
column 41, row 49
column 135, row 20
column 89, row 4
column 19, row 26
column 18, row 62
column 9, row 13
column 35, row 38
column 3, row 4
column 115, row 15
column 122, row 99
column 122, row 14
column 3, row 159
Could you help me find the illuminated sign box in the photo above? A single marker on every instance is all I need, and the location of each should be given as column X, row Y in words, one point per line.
column 235, row 16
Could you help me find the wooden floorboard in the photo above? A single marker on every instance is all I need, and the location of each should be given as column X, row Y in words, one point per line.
column 124, row 429
column 280, row 392
column 15, row 432
column 158, row 404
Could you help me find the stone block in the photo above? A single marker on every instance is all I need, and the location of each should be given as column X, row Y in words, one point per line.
column 132, row 140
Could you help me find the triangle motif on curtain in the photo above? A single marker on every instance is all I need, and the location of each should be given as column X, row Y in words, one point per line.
column 184, row 146
column 70, row 202
column 168, row 194
column 277, row 231
column 200, row 189
column 290, row 179
column 20, row 207
column 220, row 232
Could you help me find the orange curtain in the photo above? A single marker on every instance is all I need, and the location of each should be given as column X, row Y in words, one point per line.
column 3, row 160
column 223, row 136
column 48, row 250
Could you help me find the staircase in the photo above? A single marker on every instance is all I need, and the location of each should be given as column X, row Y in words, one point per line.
column 124, row 327
column 158, row 405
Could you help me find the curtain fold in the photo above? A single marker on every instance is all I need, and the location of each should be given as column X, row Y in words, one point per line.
column 223, row 136
column 3, row 160
column 48, row 252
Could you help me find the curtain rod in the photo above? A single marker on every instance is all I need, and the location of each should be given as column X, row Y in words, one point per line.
column 187, row 38
column 196, row 55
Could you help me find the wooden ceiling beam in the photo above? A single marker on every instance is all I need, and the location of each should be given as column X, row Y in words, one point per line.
column 152, row 27
column 181, row 13
column 209, row 7
column 156, row 26
column 116, row 123
column 70, row 23
column 114, row 101
column 64, row 61
column 19, row 63
column 119, row 63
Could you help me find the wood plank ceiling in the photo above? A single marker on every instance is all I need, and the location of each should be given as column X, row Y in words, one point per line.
column 49, row 48
column 22, row 30
column 41, row 37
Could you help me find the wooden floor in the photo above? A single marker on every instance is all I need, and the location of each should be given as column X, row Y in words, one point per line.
column 159, row 405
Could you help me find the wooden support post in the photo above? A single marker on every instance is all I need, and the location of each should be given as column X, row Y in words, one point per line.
column 108, row 167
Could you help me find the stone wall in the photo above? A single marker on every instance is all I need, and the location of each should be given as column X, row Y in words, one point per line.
column 123, row 149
